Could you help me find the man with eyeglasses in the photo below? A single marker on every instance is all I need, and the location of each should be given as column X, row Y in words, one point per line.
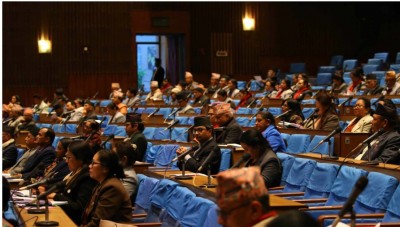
column 231, row 130
column 242, row 198
column 203, row 134
column 372, row 85
column 392, row 87
column 183, row 101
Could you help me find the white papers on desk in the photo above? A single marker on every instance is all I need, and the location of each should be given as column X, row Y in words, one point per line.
column 288, row 124
column 258, row 78
column 234, row 145
column 187, row 174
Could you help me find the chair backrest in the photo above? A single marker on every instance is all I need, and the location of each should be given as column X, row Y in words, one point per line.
column 161, row 134
column 286, row 162
column 165, row 154
column 395, row 67
column 397, row 58
column 241, row 84
column 244, row 110
column 367, row 68
column 344, row 184
column 158, row 199
column 298, row 143
column 321, row 180
column 20, row 153
column 383, row 55
column 196, row 212
column 104, row 103
column 183, row 120
column 379, row 76
column 275, row 110
column 299, row 174
column 376, row 196
column 307, row 111
column 393, row 209
column 165, row 111
column 212, row 218
column 324, row 78
column 109, row 129
column 180, row 134
column 323, row 148
column 350, row 64
column 226, row 155
column 120, row 131
column 327, row 69
column 337, row 60
column 243, row 121
column 375, row 61
column 298, row 67
column 145, row 188
column 179, row 198
column 59, row 128
column 71, row 128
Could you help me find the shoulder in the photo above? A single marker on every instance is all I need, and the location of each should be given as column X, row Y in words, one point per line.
column 366, row 118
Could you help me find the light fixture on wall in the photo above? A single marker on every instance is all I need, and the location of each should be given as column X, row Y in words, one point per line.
column 249, row 21
column 248, row 24
column 44, row 46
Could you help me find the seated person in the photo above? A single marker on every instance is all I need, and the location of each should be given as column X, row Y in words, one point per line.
column 223, row 85
column 116, row 116
column 134, row 128
column 92, row 134
column 385, row 148
column 223, row 97
column 363, row 119
column 223, row 115
column 356, row 83
column 392, row 87
column 338, row 84
column 294, row 113
column 372, row 85
column 183, row 102
column 246, row 99
column 132, row 98
column 190, row 83
column 265, row 124
column 155, row 93
column 10, row 152
column 262, row 155
column 27, row 122
column 109, row 200
column 242, row 198
column 203, row 134
column 214, row 84
column 199, row 98
column 284, row 91
column 233, row 91
column 303, row 89
column 326, row 118
column 117, row 99
column 40, row 106
column 114, row 87
column 270, row 89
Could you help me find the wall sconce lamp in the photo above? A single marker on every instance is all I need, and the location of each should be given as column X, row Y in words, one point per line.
column 44, row 46
column 248, row 24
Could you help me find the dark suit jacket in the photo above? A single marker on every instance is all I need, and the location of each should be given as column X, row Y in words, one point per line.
column 203, row 100
column 36, row 163
column 231, row 134
column 77, row 193
column 10, row 154
column 141, row 142
column 271, row 169
column 377, row 91
column 159, row 76
column 200, row 156
column 386, row 150
column 109, row 201
column 61, row 170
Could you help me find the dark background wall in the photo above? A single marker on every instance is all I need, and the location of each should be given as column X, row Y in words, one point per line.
column 285, row 32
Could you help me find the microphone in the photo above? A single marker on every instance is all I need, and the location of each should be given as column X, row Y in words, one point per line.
column 66, row 120
column 90, row 136
column 6, row 121
column 258, row 111
column 327, row 138
column 205, row 161
column 56, row 187
column 348, row 206
column 283, row 114
column 182, row 155
column 108, row 139
column 155, row 111
column 42, row 182
column 172, row 125
column 373, row 136
column 345, row 101
column 173, row 112
column 252, row 102
column 95, row 95
column 243, row 159
column 379, row 99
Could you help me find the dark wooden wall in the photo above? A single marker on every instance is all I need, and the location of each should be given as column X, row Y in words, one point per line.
column 285, row 32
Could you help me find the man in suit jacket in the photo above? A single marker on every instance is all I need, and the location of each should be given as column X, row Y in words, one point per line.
column 203, row 133
column 363, row 120
column 159, row 72
column 134, row 129
column 116, row 116
column 372, row 85
column 43, row 157
column 385, row 148
column 231, row 129
column 10, row 152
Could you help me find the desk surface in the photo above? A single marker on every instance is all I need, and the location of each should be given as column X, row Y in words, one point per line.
column 277, row 203
column 55, row 214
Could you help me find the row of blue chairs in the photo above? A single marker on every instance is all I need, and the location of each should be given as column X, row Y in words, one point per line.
column 308, row 179
column 167, row 202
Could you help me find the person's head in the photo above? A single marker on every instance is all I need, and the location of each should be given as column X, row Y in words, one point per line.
column 15, row 99
column 285, row 84
column 133, row 124
column 90, row 125
column 28, row 114
column 88, row 107
column 295, row 79
column 263, row 120
column 293, row 218
column 117, row 97
column 324, row 103
column 387, row 102
column 131, row 92
column 356, row 75
column 115, row 86
column 30, row 139
column 222, row 95
column 37, row 99
column 70, row 105
column 105, row 164
column 157, row 62
column 16, row 111
column 223, row 113
column 362, row 107
column 198, row 92
column 302, row 83
column 78, row 102
column 254, row 143
column 371, row 82
column 112, row 109
column 337, row 78
column 165, row 82
column 79, row 154
column 271, row 73
column 243, row 93
column 153, row 86
column 45, row 137
column 242, row 197
column 202, row 128
column 223, row 82
column 232, row 84
column 390, row 78
column 188, row 78
column 269, row 85
column 182, row 98
column 58, row 109
column 62, row 147
column 126, row 153
column 214, row 80
column 8, row 133
column 293, row 105
column 385, row 118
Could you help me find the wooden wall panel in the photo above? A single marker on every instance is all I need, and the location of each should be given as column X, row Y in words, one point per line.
column 221, row 44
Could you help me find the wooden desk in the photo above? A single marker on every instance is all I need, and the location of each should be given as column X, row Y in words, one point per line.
column 277, row 203
column 348, row 141
column 389, row 169
column 55, row 214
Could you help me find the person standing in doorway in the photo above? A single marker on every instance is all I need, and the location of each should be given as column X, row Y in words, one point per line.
column 159, row 72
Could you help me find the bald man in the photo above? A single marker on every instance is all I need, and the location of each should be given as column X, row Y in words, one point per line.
column 27, row 122
column 392, row 87
column 190, row 83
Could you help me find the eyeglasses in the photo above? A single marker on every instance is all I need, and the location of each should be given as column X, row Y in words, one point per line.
column 225, row 213
column 94, row 163
column 66, row 158
column 358, row 106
